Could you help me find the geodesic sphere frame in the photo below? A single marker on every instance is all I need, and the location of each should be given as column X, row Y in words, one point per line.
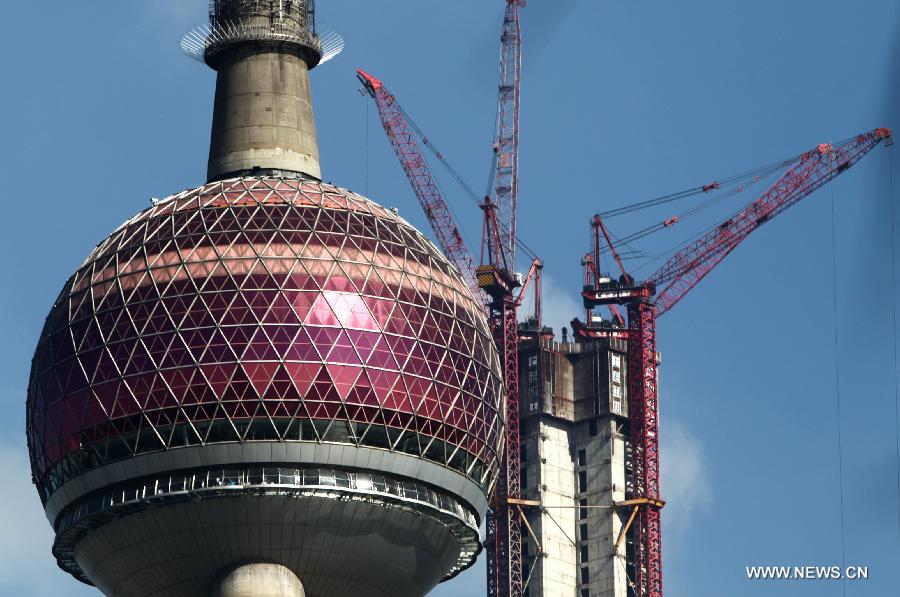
column 264, row 309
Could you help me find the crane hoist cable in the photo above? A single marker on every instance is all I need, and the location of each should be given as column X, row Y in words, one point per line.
column 761, row 171
column 439, row 155
column 717, row 184
column 469, row 191
column 714, row 200
column 735, row 185
column 769, row 172
column 368, row 146
column 434, row 150
column 633, row 253
column 893, row 223
column 837, row 386
column 682, row 245
column 492, row 173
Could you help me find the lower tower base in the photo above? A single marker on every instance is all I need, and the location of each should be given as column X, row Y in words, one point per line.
column 260, row 580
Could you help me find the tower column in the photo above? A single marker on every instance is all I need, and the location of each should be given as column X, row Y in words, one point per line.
column 259, row 580
column 263, row 117
column 263, row 120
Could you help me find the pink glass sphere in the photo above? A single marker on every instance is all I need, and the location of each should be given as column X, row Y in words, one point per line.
column 264, row 310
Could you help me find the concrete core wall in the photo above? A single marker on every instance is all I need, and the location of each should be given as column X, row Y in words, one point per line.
column 573, row 462
column 263, row 117
column 550, row 472
column 600, row 483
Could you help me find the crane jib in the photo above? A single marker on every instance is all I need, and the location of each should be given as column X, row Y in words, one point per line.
column 676, row 278
column 815, row 169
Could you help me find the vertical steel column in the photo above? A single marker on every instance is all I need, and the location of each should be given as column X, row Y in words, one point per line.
column 492, row 542
column 507, row 149
column 643, row 413
column 504, row 531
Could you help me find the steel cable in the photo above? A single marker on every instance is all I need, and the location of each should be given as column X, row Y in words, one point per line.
column 837, row 381
column 470, row 192
column 894, row 330
column 761, row 172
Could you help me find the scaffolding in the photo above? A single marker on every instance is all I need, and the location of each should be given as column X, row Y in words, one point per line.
column 277, row 23
column 297, row 15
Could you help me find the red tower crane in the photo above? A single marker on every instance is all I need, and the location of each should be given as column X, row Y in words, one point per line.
column 496, row 276
column 495, row 279
column 400, row 132
column 495, row 282
column 661, row 291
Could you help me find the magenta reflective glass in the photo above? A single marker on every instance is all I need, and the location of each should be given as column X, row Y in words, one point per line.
column 251, row 306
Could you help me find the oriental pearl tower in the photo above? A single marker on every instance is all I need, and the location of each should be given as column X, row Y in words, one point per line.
column 266, row 385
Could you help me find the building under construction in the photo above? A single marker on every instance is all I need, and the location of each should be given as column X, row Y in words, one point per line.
column 573, row 443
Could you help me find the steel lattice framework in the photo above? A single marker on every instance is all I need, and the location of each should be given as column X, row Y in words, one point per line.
column 643, row 413
column 504, row 530
column 508, row 120
column 264, row 309
column 815, row 169
column 425, row 187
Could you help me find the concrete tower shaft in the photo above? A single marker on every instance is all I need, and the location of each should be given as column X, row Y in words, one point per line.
column 260, row 580
column 263, row 119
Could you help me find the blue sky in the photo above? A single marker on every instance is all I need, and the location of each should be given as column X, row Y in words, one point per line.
column 622, row 101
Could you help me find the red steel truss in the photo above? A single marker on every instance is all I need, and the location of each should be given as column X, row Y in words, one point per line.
column 405, row 145
column 504, row 569
column 643, row 414
column 816, row 168
column 507, row 147
column 678, row 276
column 504, row 532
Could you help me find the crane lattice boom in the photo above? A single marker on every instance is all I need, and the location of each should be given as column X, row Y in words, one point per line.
column 816, row 168
column 505, row 576
column 424, row 184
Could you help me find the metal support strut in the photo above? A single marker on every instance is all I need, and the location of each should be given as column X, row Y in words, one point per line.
column 505, row 574
column 643, row 414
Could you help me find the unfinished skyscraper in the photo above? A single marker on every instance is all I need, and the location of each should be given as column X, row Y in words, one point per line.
column 573, row 458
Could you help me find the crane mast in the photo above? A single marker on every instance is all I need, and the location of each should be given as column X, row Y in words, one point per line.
column 504, row 534
column 506, row 159
column 496, row 276
column 678, row 276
